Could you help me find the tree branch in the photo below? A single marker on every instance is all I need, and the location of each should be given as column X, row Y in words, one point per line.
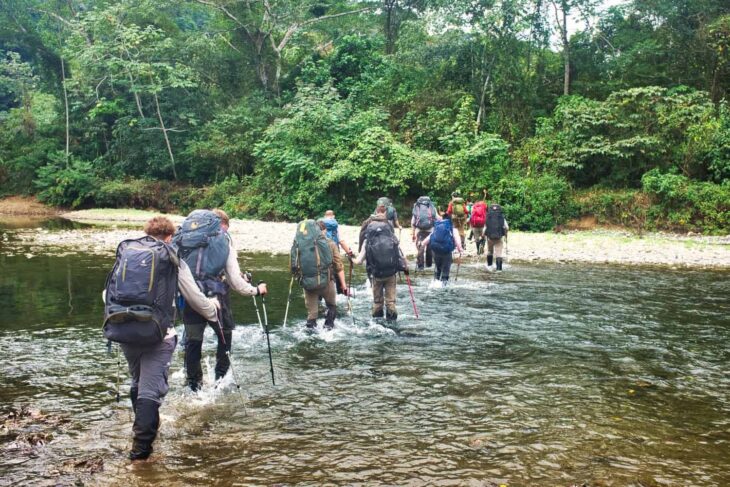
column 295, row 27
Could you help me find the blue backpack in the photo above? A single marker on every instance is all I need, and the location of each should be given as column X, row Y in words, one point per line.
column 203, row 245
column 442, row 238
column 332, row 233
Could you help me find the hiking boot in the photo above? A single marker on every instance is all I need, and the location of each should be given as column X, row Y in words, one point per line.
column 146, row 423
column 391, row 316
column 194, row 385
column 311, row 324
column 499, row 263
column 489, row 260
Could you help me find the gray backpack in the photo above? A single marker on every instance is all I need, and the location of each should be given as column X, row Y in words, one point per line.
column 203, row 245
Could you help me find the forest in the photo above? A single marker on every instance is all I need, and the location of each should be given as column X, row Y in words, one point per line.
column 280, row 109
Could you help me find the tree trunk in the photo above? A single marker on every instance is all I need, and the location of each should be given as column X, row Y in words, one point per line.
column 167, row 139
column 566, row 51
column 482, row 108
column 65, row 101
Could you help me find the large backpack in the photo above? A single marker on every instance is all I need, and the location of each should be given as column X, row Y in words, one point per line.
column 381, row 249
column 458, row 208
column 390, row 213
column 203, row 245
column 442, row 238
column 423, row 213
column 332, row 230
column 310, row 256
column 140, row 290
column 478, row 216
column 495, row 222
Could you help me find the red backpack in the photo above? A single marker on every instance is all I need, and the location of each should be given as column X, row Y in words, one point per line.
column 478, row 214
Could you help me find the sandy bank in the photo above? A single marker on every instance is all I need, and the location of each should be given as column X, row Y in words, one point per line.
column 598, row 246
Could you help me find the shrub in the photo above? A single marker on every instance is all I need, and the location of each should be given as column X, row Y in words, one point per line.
column 62, row 184
column 536, row 203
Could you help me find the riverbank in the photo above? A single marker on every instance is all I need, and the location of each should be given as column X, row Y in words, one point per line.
column 595, row 246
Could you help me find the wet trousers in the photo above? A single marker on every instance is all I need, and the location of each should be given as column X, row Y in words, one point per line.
column 443, row 265
column 311, row 301
column 424, row 253
column 495, row 246
column 195, row 331
column 384, row 292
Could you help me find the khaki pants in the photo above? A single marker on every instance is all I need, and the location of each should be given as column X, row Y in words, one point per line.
column 311, row 299
column 384, row 290
column 459, row 224
column 494, row 247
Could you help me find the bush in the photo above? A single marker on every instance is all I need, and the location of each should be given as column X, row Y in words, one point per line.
column 536, row 203
column 62, row 184
column 626, row 207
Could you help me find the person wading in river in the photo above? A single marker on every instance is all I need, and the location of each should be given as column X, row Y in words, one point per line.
column 205, row 245
column 442, row 241
column 496, row 230
column 459, row 215
column 424, row 215
column 316, row 262
column 139, row 315
column 384, row 260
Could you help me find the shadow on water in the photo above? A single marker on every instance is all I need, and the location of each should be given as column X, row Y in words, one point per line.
column 542, row 375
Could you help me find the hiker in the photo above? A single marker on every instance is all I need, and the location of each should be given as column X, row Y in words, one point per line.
column 333, row 232
column 459, row 215
column 477, row 221
column 496, row 228
column 384, row 260
column 139, row 315
column 390, row 213
column 205, row 245
column 424, row 216
column 442, row 241
column 316, row 262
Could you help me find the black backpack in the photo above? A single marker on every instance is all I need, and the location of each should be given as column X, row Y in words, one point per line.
column 495, row 222
column 140, row 290
column 203, row 245
column 381, row 250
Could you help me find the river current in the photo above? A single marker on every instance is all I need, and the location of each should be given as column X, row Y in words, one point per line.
column 544, row 374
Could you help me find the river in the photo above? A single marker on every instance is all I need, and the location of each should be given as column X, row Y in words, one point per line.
column 544, row 374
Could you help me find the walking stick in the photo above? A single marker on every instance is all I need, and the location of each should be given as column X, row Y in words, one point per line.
column 266, row 330
column 219, row 315
column 458, row 265
column 288, row 299
column 410, row 290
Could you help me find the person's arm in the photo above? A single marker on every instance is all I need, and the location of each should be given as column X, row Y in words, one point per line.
column 450, row 208
column 361, row 239
column 235, row 279
column 436, row 215
column 506, row 227
column 360, row 257
column 457, row 239
column 413, row 228
column 426, row 241
column 346, row 247
column 193, row 296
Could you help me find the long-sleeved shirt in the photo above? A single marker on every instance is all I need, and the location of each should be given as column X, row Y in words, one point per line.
column 455, row 236
column 233, row 274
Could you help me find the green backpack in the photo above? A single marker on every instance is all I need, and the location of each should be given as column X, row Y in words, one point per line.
column 310, row 258
column 458, row 207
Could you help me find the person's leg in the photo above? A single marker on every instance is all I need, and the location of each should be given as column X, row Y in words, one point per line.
column 193, row 351
column 446, row 267
column 389, row 284
column 498, row 246
column 225, row 341
column 438, row 259
column 490, row 251
column 420, row 236
column 311, row 301
column 479, row 239
column 153, row 386
column 330, row 300
column 132, row 354
column 378, row 285
column 459, row 224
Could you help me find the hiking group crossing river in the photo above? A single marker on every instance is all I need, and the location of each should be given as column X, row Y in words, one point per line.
column 544, row 374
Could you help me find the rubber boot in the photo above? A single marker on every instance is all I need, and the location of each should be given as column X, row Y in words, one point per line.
column 489, row 260
column 193, row 351
column 499, row 263
column 391, row 316
column 222, row 361
column 133, row 396
column 329, row 319
column 146, row 422
column 311, row 324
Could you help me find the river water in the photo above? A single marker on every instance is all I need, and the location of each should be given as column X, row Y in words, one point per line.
column 544, row 374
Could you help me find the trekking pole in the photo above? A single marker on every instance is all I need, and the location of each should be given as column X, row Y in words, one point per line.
column 458, row 265
column 288, row 300
column 119, row 368
column 410, row 290
column 219, row 315
column 266, row 330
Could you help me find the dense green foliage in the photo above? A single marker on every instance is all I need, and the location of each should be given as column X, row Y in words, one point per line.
column 280, row 109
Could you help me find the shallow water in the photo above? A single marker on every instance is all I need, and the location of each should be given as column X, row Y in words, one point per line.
column 541, row 375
